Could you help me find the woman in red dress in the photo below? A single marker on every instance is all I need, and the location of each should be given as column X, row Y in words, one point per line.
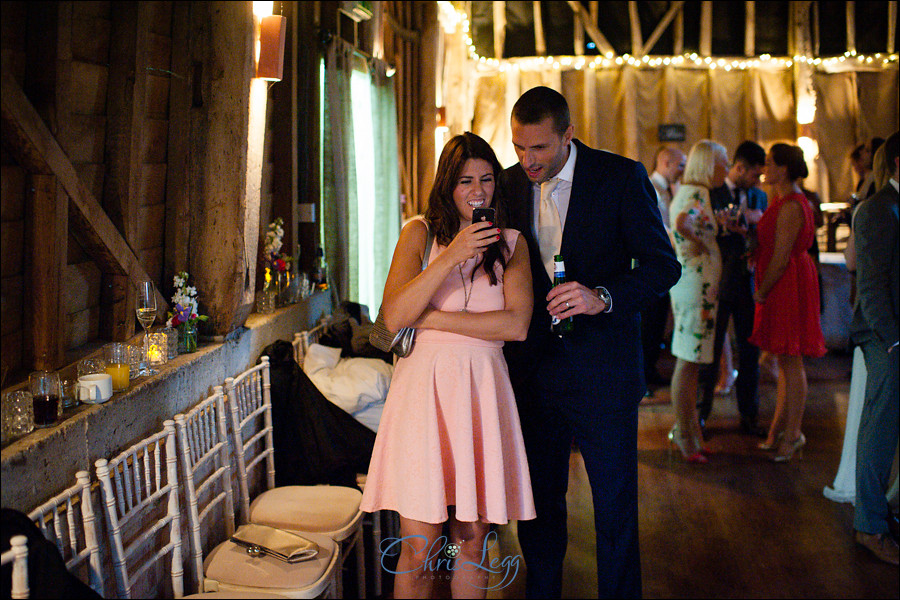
column 787, row 295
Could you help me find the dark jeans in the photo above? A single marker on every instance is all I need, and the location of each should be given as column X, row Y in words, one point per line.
column 735, row 302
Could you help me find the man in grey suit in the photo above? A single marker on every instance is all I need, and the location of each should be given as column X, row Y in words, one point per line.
column 874, row 327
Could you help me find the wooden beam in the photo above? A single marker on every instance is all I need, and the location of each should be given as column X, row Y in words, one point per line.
column 634, row 20
column 178, row 219
column 674, row 9
column 816, row 32
column 126, row 103
column 678, row 34
column 578, row 37
column 591, row 28
column 499, row 28
column 37, row 150
column 892, row 26
column 540, row 44
column 46, row 243
column 706, row 28
column 851, row 26
column 749, row 28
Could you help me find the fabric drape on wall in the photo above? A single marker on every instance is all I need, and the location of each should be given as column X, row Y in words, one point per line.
column 619, row 110
column 837, row 109
column 339, row 167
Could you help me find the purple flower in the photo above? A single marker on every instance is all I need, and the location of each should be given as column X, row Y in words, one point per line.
column 183, row 313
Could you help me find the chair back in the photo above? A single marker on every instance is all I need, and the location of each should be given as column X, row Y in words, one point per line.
column 303, row 339
column 250, row 406
column 204, row 448
column 18, row 556
column 140, row 498
column 74, row 535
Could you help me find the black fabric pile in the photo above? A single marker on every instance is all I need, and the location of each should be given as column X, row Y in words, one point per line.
column 315, row 440
column 349, row 330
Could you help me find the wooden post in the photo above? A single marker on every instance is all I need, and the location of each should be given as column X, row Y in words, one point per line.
column 851, row 27
column 678, row 34
column 126, row 117
column 706, row 8
column 500, row 29
column 46, row 243
column 892, row 26
column 749, row 28
column 637, row 42
column 224, row 234
column 540, row 44
column 676, row 8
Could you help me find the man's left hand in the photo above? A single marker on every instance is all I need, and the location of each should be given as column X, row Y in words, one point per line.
column 572, row 298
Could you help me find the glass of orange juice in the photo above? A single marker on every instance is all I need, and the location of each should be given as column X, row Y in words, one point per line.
column 118, row 357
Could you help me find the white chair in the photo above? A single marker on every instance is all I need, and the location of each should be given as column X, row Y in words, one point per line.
column 228, row 569
column 330, row 510
column 18, row 556
column 76, row 538
column 140, row 499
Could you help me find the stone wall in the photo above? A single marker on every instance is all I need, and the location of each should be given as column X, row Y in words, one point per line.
column 44, row 462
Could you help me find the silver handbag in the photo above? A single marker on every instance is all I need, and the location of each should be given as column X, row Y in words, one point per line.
column 400, row 343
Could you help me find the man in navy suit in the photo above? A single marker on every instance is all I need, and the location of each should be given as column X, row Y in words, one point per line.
column 584, row 386
column 736, row 285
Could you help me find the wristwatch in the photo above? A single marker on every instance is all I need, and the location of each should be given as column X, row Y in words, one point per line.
column 603, row 294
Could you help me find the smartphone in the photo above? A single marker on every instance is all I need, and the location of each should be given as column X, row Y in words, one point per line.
column 483, row 214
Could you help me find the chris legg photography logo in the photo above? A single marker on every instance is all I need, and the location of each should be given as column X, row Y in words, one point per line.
column 440, row 556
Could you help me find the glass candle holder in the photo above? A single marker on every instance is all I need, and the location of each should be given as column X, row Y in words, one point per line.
column 17, row 415
column 155, row 345
column 171, row 342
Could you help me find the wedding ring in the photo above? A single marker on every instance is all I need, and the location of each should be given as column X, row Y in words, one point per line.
column 568, row 305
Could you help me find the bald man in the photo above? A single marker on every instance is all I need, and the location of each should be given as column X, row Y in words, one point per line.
column 669, row 168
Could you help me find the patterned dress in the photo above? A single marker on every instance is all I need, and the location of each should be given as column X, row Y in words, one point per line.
column 695, row 296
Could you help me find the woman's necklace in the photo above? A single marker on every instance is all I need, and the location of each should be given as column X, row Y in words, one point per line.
column 467, row 293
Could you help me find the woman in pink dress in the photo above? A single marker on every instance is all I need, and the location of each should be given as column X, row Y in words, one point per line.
column 449, row 445
column 787, row 295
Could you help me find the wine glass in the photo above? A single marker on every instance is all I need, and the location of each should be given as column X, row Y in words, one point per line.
column 146, row 313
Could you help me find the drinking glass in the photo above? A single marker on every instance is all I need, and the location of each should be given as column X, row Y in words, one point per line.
column 146, row 312
column 45, row 392
column 118, row 359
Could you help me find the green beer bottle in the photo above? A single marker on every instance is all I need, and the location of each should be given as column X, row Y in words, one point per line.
column 557, row 326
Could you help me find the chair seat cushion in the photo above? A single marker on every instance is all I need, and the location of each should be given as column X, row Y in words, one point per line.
column 229, row 565
column 234, row 595
column 315, row 508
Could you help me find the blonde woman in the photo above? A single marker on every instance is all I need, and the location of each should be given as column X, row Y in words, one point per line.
column 695, row 296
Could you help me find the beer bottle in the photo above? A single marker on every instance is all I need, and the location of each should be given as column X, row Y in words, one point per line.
column 567, row 325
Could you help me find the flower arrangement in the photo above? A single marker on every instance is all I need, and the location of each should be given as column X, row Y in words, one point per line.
column 273, row 244
column 184, row 317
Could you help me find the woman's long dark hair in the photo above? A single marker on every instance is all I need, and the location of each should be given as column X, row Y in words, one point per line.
column 442, row 216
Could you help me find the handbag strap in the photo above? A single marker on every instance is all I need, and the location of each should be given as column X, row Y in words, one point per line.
column 429, row 240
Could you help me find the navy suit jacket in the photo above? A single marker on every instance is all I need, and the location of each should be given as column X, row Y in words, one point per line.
column 612, row 219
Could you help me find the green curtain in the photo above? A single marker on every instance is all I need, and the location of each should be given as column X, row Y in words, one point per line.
column 361, row 181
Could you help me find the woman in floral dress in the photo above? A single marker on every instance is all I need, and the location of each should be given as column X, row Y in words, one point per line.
column 695, row 296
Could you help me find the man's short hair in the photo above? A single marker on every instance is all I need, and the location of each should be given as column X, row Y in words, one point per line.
column 541, row 102
column 751, row 153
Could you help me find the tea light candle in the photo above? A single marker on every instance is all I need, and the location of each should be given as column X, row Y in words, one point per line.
column 157, row 352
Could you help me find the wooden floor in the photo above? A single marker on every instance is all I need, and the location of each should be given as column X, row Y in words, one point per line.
column 738, row 527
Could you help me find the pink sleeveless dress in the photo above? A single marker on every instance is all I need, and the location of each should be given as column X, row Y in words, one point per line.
column 449, row 434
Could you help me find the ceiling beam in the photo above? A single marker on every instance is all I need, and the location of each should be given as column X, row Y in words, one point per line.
column 591, row 28
column 749, row 28
column 676, row 8
column 36, row 149
column 540, row 44
column 634, row 19
column 706, row 28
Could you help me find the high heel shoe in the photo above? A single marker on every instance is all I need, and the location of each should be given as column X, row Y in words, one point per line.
column 681, row 442
column 773, row 445
column 796, row 447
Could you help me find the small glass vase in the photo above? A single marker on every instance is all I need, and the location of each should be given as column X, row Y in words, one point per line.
column 187, row 338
